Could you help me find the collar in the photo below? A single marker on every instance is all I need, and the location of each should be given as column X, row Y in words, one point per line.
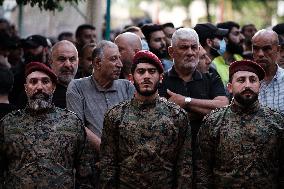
column 39, row 112
column 196, row 75
column 145, row 104
column 239, row 109
column 101, row 89
column 279, row 73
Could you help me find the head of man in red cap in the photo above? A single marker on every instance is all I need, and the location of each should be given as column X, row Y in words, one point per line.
column 244, row 81
column 146, row 74
column 40, row 85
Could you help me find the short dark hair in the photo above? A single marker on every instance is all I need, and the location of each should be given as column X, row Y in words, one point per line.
column 228, row 25
column 245, row 26
column 6, row 81
column 131, row 29
column 83, row 27
column 64, row 34
column 148, row 29
column 169, row 24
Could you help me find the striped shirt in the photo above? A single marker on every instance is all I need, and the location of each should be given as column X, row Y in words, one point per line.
column 272, row 94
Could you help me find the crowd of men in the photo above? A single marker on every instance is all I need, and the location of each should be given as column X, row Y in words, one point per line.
column 156, row 107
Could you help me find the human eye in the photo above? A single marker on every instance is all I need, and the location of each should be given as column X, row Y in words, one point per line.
column 253, row 79
column 240, row 80
column 45, row 81
column 73, row 59
column 61, row 59
column 33, row 81
column 140, row 71
column 152, row 70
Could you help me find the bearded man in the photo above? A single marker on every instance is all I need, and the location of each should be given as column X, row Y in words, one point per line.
column 41, row 146
column 146, row 142
column 241, row 145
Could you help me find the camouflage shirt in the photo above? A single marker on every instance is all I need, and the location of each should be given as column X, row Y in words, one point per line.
column 40, row 149
column 146, row 145
column 240, row 148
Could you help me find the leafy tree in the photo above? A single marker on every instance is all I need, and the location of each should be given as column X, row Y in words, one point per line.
column 49, row 5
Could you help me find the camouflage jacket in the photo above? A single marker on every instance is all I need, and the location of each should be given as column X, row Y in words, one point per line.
column 146, row 145
column 240, row 148
column 41, row 150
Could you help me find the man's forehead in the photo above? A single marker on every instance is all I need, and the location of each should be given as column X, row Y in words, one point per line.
column 157, row 34
column 244, row 74
column 37, row 75
column 145, row 65
column 187, row 41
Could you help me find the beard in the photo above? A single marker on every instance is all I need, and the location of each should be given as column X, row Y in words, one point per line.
column 147, row 92
column 160, row 53
column 244, row 100
column 234, row 48
column 66, row 75
column 40, row 101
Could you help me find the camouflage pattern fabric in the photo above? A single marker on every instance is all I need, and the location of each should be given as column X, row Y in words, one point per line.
column 146, row 145
column 241, row 149
column 41, row 150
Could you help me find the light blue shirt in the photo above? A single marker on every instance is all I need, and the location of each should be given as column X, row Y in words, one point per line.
column 272, row 94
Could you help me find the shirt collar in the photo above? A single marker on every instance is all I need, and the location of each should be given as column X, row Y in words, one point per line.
column 144, row 104
column 101, row 89
column 195, row 76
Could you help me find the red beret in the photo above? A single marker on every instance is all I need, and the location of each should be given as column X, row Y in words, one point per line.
column 246, row 65
column 37, row 66
column 145, row 56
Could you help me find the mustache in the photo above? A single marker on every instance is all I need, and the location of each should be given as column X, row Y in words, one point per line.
column 248, row 90
column 66, row 69
column 40, row 95
column 146, row 82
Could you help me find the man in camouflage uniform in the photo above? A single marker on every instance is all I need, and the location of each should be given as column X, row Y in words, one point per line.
column 146, row 142
column 242, row 145
column 41, row 145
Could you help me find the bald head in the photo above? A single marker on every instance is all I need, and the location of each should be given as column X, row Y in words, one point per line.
column 129, row 39
column 128, row 44
column 265, row 49
column 266, row 34
column 64, row 61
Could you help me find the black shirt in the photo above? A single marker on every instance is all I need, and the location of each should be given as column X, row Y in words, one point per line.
column 202, row 86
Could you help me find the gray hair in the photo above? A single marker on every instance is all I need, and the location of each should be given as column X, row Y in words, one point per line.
column 99, row 49
column 184, row 33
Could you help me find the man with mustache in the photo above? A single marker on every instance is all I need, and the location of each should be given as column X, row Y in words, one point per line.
column 242, row 145
column 265, row 49
column 146, row 142
column 64, row 62
column 184, row 85
column 156, row 40
column 41, row 146
column 92, row 96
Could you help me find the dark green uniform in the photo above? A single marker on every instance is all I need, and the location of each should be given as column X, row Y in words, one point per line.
column 241, row 149
column 41, row 149
column 146, row 145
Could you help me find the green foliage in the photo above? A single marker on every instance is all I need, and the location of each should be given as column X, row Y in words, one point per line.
column 49, row 5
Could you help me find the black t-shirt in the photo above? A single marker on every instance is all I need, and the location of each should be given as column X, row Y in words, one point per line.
column 5, row 109
column 202, row 86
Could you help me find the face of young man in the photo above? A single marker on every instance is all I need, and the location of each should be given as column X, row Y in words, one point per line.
column 157, row 44
column 146, row 79
column 39, row 89
column 244, row 87
column 235, row 41
column 87, row 36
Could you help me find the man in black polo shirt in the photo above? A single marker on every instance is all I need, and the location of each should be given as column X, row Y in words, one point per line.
column 184, row 85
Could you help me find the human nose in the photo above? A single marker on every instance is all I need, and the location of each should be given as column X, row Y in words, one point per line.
column 119, row 63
